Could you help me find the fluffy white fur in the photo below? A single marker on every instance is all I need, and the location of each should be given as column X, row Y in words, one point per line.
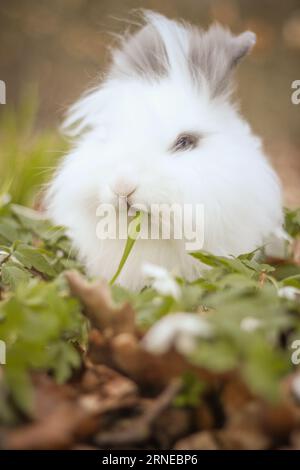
column 124, row 130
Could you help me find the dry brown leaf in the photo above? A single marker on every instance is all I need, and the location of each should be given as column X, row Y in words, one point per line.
column 58, row 431
column 243, row 439
column 281, row 419
column 153, row 369
column 204, row 440
column 244, row 429
column 108, row 383
column 204, row 417
column 295, row 439
column 171, row 425
column 235, row 395
column 48, row 395
column 64, row 414
column 139, row 428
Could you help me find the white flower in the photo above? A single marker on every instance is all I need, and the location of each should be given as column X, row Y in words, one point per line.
column 180, row 330
column 60, row 254
column 3, row 255
column 289, row 292
column 5, row 198
column 250, row 324
column 162, row 281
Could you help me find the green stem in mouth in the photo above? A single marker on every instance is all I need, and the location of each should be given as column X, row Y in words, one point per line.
column 134, row 229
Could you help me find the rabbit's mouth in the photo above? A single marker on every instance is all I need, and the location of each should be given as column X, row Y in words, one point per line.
column 130, row 205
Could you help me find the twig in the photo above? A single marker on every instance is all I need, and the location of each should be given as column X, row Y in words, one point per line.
column 139, row 429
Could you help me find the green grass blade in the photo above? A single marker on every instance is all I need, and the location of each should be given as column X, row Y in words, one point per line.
column 134, row 229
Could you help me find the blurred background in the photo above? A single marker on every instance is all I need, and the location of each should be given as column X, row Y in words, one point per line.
column 52, row 50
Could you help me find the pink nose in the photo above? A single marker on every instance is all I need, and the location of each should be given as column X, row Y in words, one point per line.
column 123, row 187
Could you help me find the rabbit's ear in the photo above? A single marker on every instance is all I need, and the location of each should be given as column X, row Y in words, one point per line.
column 241, row 46
column 142, row 54
column 215, row 53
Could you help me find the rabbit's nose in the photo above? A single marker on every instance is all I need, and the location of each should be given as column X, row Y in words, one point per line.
column 123, row 187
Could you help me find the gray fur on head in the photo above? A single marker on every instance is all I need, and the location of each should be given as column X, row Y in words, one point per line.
column 143, row 54
column 152, row 52
column 215, row 53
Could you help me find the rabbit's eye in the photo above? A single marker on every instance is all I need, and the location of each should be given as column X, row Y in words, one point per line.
column 185, row 142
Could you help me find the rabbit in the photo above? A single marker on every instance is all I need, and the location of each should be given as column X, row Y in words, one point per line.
column 162, row 127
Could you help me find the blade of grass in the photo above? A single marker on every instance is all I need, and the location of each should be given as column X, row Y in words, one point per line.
column 134, row 229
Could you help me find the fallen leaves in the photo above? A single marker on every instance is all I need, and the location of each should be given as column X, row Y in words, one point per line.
column 65, row 414
column 139, row 429
column 113, row 410
column 203, row 440
column 124, row 396
column 117, row 340
column 179, row 365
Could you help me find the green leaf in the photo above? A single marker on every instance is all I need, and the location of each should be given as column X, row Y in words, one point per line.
column 207, row 258
column 293, row 281
column 14, row 275
column 219, row 356
column 8, row 230
column 34, row 258
column 231, row 264
column 191, row 392
column 264, row 369
column 65, row 359
column 292, row 222
column 21, row 388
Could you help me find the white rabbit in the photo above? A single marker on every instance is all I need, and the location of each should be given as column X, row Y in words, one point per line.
column 161, row 128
